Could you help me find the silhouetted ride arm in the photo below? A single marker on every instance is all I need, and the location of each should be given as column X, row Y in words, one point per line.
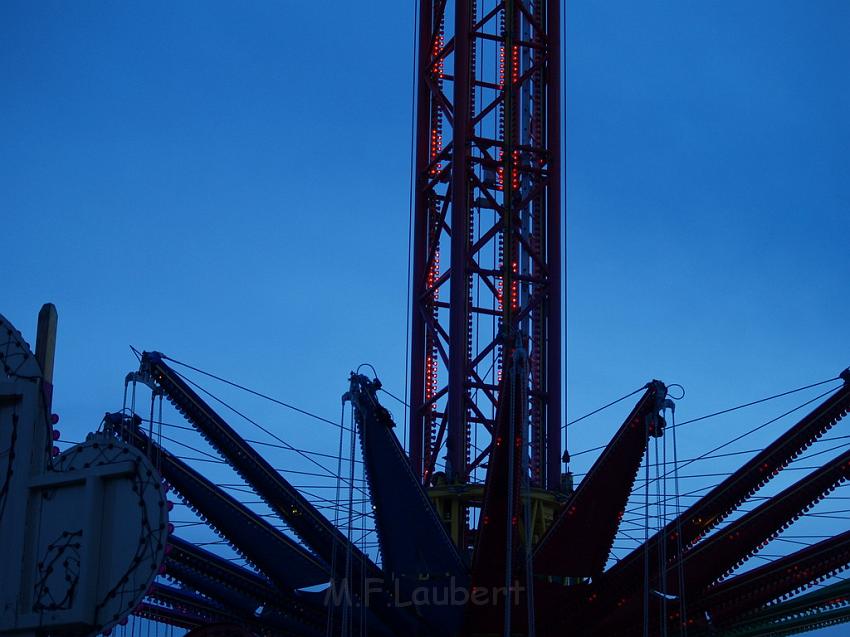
column 591, row 517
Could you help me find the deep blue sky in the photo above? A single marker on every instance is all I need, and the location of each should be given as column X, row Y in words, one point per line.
column 228, row 183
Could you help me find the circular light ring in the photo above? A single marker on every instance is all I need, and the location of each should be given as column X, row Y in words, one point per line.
column 136, row 532
column 16, row 358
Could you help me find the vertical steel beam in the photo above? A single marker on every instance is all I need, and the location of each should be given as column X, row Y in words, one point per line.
column 554, row 346
column 420, row 242
column 459, row 316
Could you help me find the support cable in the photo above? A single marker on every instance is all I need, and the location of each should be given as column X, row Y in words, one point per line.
column 365, row 516
column 262, row 428
column 250, row 391
column 661, row 523
column 348, row 610
column 411, row 209
column 403, row 402
column 332, row 598
column 529, row 529
column 562, row 182
column 265, row 443
column 596, row 411
column 508, row 518
column 759, row 401
column 707, row 416
column 646, row 543
column 214, row 458
column 757, row 428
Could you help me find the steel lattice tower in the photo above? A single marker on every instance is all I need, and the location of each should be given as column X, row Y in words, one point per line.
column 487, row 222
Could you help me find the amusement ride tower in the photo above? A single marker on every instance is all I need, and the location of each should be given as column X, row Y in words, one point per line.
column 476, row 529
column 486, row 272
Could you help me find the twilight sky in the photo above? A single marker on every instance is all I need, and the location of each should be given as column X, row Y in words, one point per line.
column 228, row 183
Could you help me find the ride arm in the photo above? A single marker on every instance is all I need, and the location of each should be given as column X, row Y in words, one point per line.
column 240, row 590
column 705, row 564
column 498, row 552
column 171, row 616
column 590, row 518
column 313, row 528
column 811, row 607
column 734, row 599
column 416, row 550
column 722, row 552
column 814, row 619
column 246, row 584
column 286, row 563
column 726, row 497
column 199, row 606
column 414, row 542
column 503, row 478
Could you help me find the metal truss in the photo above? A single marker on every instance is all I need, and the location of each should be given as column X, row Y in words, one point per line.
column 486, row 262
